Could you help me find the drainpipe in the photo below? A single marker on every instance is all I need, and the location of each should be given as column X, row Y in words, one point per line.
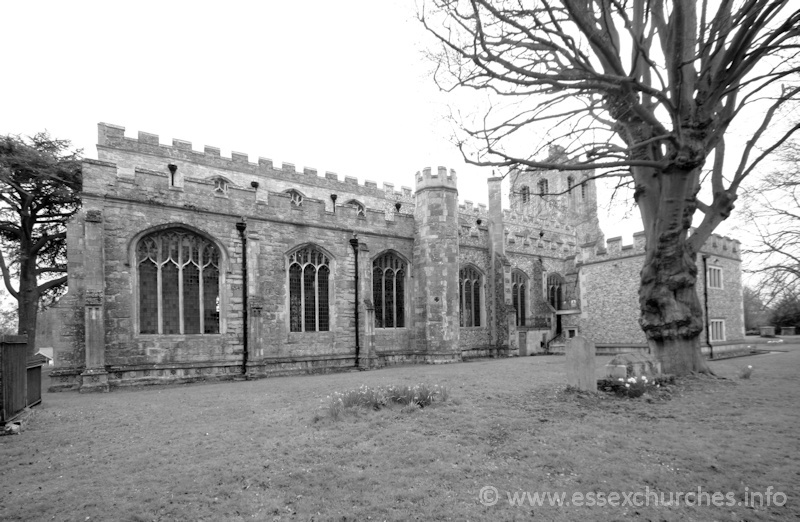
column 354, row 244
column 241, row 226
column 705, row 305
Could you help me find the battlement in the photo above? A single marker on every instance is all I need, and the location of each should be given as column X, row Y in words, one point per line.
column 440, row 178
column 722, row 246
column 468, row 211
column 615, row 249
column 150, row 187
column 111, row 139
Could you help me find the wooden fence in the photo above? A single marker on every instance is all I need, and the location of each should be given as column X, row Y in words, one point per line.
column 20, row 383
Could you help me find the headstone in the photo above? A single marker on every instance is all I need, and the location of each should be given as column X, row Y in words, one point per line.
column 767, row 331
column 580, row 354
column 627, row 365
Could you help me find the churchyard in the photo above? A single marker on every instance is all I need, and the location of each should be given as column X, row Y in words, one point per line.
column 269, row 450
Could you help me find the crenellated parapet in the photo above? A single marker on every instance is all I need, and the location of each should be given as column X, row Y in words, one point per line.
column 103, row 180
column 439, row 178
column 615, row 249
column 722, row 246
column 112, row 143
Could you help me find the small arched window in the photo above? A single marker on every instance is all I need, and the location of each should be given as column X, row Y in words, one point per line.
column 178, row 285
column 570, row 183
column 542, row 187
column 519, row 283
column 309, row 291
column 525, row 192
column 583, row 190
column 388, row 291
column 469, row 282
column 360, row 211
column 220, row 186
column 555, row 291
column 296, row 197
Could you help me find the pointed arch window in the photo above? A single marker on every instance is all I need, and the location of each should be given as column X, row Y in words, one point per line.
column 360, row 210
column 388, row 291
column 542, row 187
column 178, row 284
column 519, row 284
column 220, row 186
column 555, row 291
column 525, row 192
column 309, row 291
column 469, row 296
column 296, row 197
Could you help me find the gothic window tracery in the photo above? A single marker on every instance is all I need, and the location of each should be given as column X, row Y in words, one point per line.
column 220, row 186
column 555, row 291
column 469, row 280
column 519, row 283
column 543, row 189
column 296, row 197
column 388, row 291
column 178, row 284
column 309, row 290
column 360, row 210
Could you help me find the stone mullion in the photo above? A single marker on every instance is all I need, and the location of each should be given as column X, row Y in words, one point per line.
column 303, row 298
column 394, row 298
column 383, row 296
column 159, row 292
column 200, row 292
column 461, row 301
column 316, row 299
column 181, row 329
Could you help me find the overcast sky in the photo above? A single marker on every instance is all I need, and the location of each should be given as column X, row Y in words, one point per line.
column 337, row 86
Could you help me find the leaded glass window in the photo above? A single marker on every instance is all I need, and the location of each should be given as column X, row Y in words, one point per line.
column 543, row 187
column 360, row 211
column 388, row 291
column 309, row 291
column 554, row 291
column 220, row 186
column 178, row 274
column 470, row 296
column 296, row 197
column 518, row 295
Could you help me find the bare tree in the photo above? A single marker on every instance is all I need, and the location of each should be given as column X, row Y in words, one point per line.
column 645, row 88
column 39, row 184
column 772, row 208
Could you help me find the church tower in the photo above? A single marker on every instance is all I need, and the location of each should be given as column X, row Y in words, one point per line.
column 567, row 197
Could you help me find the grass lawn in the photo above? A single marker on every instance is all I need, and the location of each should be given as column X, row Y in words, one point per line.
column 265, row 450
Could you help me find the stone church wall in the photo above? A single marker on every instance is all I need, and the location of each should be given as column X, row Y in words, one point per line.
column 609, row 280
column 139, row 186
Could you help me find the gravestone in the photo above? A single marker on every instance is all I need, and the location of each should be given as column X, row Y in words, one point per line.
column 580, row 354
column 626, row 365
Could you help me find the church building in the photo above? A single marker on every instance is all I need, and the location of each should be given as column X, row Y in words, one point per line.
column 185, row 265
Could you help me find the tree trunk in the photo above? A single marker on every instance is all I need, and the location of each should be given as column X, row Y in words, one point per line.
column 28, row 301
column 671, row 313
column 672, row 316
